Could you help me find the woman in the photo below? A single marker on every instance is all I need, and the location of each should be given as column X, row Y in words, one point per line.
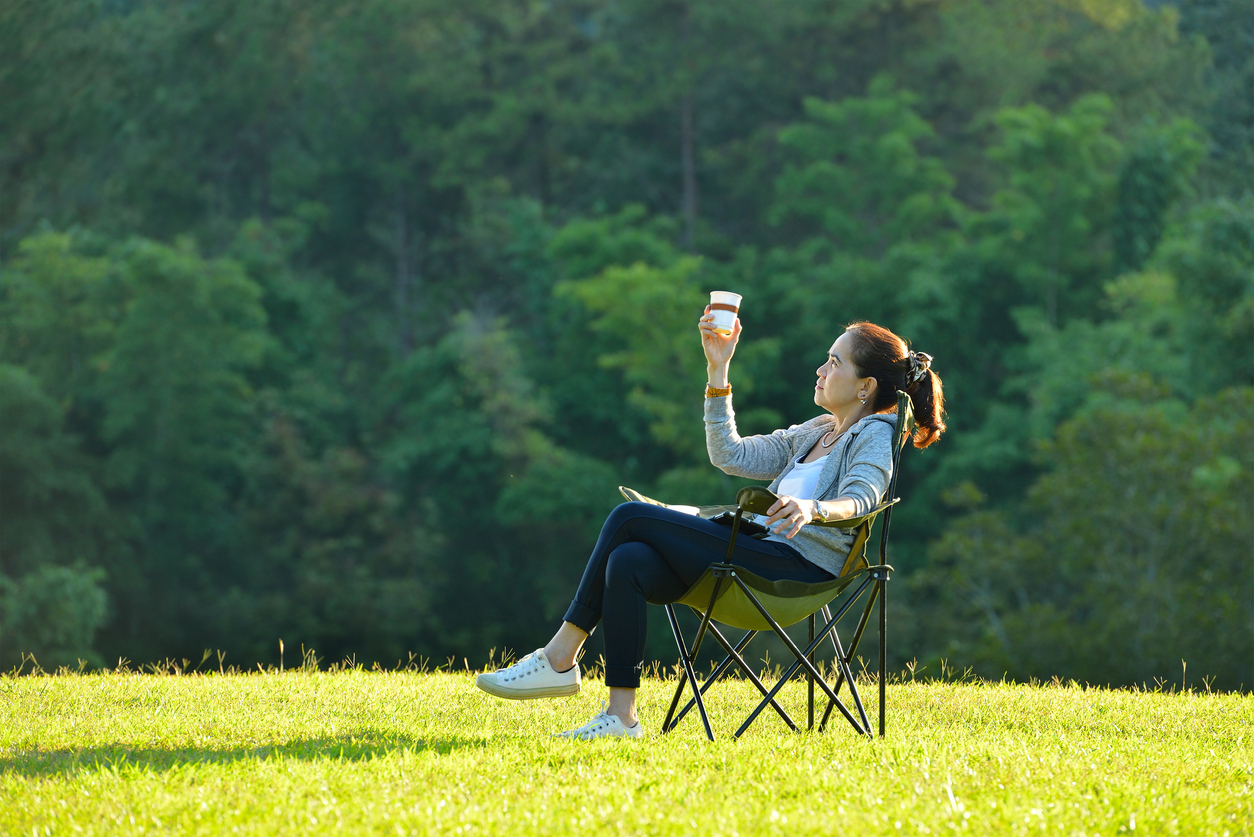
column 832, row 467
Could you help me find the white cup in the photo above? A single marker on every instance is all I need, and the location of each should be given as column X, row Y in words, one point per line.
column 724, row 305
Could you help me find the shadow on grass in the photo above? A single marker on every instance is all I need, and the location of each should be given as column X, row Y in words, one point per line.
column 120, row 757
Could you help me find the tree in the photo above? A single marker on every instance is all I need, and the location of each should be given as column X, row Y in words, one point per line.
column 55, row 532
column 1156, row 171
column 1134, row 555
column 148, row 347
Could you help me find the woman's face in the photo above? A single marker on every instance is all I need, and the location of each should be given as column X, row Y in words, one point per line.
column 839, row 389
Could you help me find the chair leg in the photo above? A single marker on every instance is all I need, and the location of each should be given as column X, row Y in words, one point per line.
column 843, row 661
column 878, row 590
column 810, row 680
column 787, row 675
column 733, row 655
column 689, row 667
column 682, row 674
column 691, row 675
column 802, row 659
column 827, row 615
column 853, row 649
column 883, row 585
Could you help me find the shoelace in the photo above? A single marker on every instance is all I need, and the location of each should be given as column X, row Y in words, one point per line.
column 592, row 726
column 517, row 669
column 599, row 720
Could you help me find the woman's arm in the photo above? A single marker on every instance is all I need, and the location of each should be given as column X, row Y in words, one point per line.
column 859, row 491
column 755, row 457
column 758, row 457
column 866, row 479
column 797, row 513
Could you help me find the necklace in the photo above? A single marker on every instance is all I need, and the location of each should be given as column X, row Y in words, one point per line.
column 832, row 442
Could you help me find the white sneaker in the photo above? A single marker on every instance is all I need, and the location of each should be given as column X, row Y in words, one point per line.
column 603, row 725
column 530, row 677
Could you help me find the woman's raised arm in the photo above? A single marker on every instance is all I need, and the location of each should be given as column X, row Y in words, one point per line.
column 755, row 457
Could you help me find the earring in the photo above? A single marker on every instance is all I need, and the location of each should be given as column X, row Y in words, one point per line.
column 863, row 400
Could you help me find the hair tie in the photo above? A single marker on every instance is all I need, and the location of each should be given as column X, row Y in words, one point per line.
column 920, row 363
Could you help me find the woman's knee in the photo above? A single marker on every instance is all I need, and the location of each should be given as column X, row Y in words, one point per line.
column 629, row 563
column 628, row 511
column 620, row 521
column 625, row 514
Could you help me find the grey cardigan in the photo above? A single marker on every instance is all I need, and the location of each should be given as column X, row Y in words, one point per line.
column 859, row 467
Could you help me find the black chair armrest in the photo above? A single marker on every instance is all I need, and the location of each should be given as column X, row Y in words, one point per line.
column 757, row 499
column 855, row 522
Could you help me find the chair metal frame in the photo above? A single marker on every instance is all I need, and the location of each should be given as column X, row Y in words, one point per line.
column 756, row 499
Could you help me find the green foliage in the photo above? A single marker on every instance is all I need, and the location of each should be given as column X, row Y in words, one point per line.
column 1156, row 171
column 55, row 529
column 360, row 311
column 147, row 347
column 54, row 510
column 53, row 614
column 647, row 312
column 859, row 178
column 1212, row 254
column 1132, row 552
column 1057, row 199
column 339, row 561
column 1227, row 29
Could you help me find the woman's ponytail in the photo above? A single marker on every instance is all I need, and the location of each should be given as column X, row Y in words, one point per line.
column 882, row 355
column 927, row 397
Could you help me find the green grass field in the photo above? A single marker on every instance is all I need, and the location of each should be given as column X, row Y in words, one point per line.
column 425, row 753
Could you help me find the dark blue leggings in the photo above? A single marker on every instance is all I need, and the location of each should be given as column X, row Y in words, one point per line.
column 651, row 555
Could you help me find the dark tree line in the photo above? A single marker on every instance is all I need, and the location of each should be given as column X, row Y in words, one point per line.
column 341, row 322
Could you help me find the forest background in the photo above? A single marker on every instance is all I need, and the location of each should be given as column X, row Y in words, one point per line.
column 339, row 321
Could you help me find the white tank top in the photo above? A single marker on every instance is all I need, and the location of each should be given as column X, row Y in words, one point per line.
column 802, row 479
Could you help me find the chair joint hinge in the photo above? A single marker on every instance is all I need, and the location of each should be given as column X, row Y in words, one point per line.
column 880, row 572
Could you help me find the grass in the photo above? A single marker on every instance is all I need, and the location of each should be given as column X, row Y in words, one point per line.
column 425, row 753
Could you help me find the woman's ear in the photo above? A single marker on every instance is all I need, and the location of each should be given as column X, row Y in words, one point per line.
column 869, row 386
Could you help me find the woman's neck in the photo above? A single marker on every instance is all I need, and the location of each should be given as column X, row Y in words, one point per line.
column 844, row 422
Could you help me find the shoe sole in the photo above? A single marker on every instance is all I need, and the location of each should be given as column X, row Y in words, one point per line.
column 599, row 737
column 526, row 694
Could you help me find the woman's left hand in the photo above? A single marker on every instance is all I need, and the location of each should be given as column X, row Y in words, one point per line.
column 792, row 512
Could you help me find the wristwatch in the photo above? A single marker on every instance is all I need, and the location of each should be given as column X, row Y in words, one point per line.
column 818, row 512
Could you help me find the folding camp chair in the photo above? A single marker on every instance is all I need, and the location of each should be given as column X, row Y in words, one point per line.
column 733, row 596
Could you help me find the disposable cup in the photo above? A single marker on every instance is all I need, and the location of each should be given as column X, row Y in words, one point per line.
column 724, row 305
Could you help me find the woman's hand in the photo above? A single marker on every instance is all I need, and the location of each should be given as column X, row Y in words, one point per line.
column 792, row 512
column 719, row 348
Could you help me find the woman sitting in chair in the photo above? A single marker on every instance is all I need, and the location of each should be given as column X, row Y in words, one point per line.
column 832, row 467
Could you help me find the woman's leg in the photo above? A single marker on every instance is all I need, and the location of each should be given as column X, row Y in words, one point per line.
column 689, row 545
column 580, row 620
column 634, row 576
column 647, row 554
column 585, row 609
column 565, row 645
column 623, row 704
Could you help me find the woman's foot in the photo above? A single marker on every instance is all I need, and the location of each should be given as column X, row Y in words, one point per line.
column 603, row 725
column 531, row 677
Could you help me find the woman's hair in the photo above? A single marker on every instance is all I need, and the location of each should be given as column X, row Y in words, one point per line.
column 882, row 355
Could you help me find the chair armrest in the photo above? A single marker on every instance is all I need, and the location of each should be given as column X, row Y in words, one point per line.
column 855, row 522
column 757, row 499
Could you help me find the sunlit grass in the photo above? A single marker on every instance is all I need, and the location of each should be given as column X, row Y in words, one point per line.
column 406, row 752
